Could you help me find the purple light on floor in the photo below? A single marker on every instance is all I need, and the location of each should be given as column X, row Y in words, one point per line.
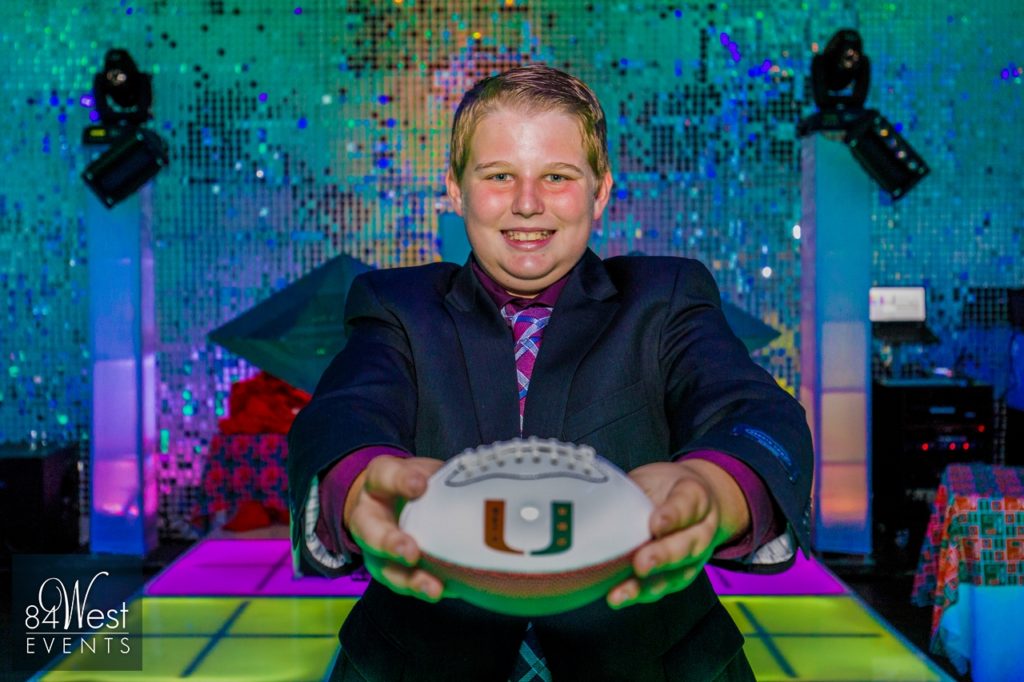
column 804, row 577
column 261, row 567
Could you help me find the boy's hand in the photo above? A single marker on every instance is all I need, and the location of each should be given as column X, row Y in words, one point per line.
column 371, row 516
column 697, row 507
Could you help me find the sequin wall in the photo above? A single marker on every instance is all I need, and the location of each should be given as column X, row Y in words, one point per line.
column 299, row 131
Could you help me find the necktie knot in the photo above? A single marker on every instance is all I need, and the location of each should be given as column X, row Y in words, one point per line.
column 527, row 324
column 527, row 329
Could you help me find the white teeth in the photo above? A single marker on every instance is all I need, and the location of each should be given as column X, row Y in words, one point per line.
column 527, row 236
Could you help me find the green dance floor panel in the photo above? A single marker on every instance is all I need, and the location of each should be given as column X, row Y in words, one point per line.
column 221, row 639
column 284, row 639
column 826, row 639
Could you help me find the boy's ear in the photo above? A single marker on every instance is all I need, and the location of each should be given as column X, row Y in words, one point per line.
column 603, row 194
column 454, row 192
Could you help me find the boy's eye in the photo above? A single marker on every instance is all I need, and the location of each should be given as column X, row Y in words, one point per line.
column 556, row 177
column 500, row 177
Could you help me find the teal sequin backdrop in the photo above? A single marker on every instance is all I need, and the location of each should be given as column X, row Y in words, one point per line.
column 302, row 130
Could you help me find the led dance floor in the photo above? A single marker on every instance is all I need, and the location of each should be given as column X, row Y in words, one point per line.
column 230, row 610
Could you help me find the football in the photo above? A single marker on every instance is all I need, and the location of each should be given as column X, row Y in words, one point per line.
column 529, row 527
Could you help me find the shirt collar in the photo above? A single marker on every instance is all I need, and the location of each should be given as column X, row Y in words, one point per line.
column 501, row 298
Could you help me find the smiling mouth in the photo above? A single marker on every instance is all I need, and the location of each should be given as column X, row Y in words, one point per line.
column 527, row 235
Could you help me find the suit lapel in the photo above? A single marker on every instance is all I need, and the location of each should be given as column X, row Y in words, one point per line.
column 487, row 347
column 584, row 309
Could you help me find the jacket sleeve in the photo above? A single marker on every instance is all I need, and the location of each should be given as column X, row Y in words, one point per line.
column 717, row 398
column 366, row 397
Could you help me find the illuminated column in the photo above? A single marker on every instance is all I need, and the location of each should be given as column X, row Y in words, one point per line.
column 835, row 340
column 122, row 469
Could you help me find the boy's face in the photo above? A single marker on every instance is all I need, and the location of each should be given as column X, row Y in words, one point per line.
column 529, row 197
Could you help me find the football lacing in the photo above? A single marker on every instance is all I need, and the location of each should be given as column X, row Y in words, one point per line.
column 473, row 463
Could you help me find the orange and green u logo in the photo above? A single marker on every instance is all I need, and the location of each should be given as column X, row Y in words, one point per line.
column 561, row 528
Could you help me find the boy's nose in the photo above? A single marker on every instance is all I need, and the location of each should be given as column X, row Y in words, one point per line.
column 527, row 201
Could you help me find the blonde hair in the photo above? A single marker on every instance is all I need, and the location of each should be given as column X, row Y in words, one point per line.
column 535, row 88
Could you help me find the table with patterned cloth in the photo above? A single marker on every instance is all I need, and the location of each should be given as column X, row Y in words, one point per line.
column 971, row 569
column 244, row 468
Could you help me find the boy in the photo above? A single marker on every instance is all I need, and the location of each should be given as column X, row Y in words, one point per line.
column 538, row 336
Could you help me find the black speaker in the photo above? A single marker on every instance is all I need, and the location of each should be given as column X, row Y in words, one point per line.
column 39, row 510
column 919, row 427
column 1014, row 437
column 1015, row 307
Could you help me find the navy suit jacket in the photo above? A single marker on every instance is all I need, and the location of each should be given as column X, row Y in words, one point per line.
column 637, row 361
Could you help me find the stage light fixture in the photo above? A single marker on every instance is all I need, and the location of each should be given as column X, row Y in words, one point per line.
column 131, row 161
column 123, row 94
column 123, row 97
column 840, row 76
column 885, row 155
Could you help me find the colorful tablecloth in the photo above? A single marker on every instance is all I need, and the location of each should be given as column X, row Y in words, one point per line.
column 244, row 467
column 975, row 537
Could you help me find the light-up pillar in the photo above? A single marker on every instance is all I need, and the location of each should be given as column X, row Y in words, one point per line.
column 122, row 469
column 835, row 340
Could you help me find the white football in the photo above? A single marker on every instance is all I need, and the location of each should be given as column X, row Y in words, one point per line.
column 529, row 527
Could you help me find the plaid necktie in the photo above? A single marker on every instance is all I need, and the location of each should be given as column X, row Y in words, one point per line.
column 528, row 329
